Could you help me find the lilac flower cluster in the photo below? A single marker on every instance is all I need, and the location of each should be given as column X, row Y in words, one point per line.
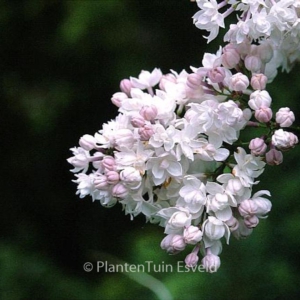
column 176, row 152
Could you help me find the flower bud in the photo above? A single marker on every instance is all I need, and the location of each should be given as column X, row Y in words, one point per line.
column 247, row 207
column 146, row 132
column 232, row 223
column 243, row 231
column 259, row 81
column 259, row 99
column 263, row 206
column 238, row 82
column 173, row 243
column 119, row 191
column 211, row 263
column 148, row 112
column 125, row 86
column 235, row 187
column 100, row 182
column 284, row 140
column 263, row 114
column 216, row 75
column 274, row 157
column 131, row 176
column 257, row 146
column 192, row 235
column 87, row 142
column 165, row 79
column 193, row 81
column 230, row 57
column 265, row 52
column 113, row 177
column 191, row 260
column 251, row 221
column 284, row 117
column 109, row 163
column 253, row 63
column 137, row 121
column 118, row 98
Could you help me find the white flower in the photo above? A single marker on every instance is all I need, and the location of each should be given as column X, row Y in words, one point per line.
column 283, row 139
column 146, row 79
column 193, row 191
column 80, row 160
column 131, row 177
column 214, row 229
column 192, row 235
column 163, row 167
column 163, row 137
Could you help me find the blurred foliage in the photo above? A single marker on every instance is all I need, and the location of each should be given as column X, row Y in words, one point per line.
column 60, row 63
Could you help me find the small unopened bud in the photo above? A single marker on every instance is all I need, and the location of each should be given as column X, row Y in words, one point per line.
column 257, row 146
column 259, row 81
column 285, row 117
column 192, row 235
column 251, row 221
column 238, row 82
column 125, row 86
column 230, row 57
column 148, row 112
column 211, row 263
column 284, row 140
column 253, row 63
column 193, row 81
column 118, row 98
column 173, row 243
column 87, row 142
column 247, row 207
column 112, row 177
column 216, row 75
column 263, row 114
column 109, row 163
column 146, row 132
column 165, row 79
column 232, row 223
column 119, row 191
column 191, row 260
column 137, row 121
column 100, row 182
column 274, row 157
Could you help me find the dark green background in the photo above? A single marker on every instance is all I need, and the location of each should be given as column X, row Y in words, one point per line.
column 60, row 63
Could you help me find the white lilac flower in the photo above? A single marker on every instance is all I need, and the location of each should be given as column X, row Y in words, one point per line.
column 147, row 79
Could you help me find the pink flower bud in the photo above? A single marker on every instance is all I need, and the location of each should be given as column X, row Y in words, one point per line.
column 137, row 121
column 238, row 82
column 211, row 263
column 192, row 235
column 259, row 81
column 251, row 221
column 193, row 81
column 109, row 163
column 191, row 260
column 274, row 157
column 257, row 146
column 247, row 207
column 112, row 177
column 173, row 243
column 232, row 223
column 230, row 57
column 87, row 142
column 285, row 117
column 216, row 75
column 146, row 132
column 253, row 63
column 263, row 114
column 165, row 79
column 125, row 86
column 100, row 182
column 119, row 191
column 259, row 99
column 148, row 112
column 118, row 98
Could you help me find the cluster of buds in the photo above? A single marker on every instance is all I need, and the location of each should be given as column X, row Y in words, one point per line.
column 176, row 151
